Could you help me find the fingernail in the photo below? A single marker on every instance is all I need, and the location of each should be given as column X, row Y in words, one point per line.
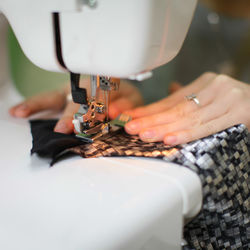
column 22, row 110
column 171, row 140
column 60, row 127
column 132, row 126
column 148, row 134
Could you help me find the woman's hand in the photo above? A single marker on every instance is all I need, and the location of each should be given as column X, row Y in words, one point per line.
column 224, row 102
column 127, row 97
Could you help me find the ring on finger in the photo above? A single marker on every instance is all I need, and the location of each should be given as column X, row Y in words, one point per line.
column 193, row 97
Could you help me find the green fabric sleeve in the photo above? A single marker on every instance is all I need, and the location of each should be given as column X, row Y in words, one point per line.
column 28, row 78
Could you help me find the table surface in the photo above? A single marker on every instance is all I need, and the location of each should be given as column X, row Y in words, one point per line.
column 104, row 203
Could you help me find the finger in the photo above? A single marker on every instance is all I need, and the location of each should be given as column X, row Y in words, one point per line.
column 184, row 109
column 119, row 106
column 65, row 125
column 126, row 98
column 175, row 98
column 191, row 121
column 167, row 131
column 157, row 133
column 174, row 86
column 209, row 128
column 220, row 107
column 53, row 100
column 170, row 116
column 135, row 126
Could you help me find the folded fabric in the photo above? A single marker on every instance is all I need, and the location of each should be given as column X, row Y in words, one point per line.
column 221, row 161
column 46, row 142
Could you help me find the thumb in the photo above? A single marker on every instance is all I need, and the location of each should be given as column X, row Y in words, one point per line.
column 64, row 125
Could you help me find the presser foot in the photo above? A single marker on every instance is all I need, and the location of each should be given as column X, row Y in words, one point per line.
column 103, row 128
column 87, row 125
column 90, row 135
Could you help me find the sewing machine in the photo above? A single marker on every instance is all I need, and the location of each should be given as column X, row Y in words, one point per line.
column 105, row 39
column 119, row 203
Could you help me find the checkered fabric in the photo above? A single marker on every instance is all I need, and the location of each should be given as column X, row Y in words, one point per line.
column 222, row 163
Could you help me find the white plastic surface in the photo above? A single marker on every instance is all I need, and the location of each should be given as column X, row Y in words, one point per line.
column 32, row 24
column 117, row 38
column 92, row 204
column 123, row 38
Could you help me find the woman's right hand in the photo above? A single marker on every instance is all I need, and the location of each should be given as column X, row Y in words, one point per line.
column 54, row 100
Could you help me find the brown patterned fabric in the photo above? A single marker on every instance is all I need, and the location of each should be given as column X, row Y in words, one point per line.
column 119, row 143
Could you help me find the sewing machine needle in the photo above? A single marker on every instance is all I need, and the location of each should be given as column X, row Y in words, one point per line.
column 107, row 94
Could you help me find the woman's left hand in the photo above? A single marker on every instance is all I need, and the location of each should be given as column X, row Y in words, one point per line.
column 127, row 97
column 224, row 102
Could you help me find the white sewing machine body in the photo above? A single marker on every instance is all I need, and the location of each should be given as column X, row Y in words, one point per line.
column 115, row 38
column 111, row 38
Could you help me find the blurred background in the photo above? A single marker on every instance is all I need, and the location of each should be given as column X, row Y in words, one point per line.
column 216, row 42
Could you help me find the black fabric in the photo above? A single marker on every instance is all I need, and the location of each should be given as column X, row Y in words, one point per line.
column 46, row 142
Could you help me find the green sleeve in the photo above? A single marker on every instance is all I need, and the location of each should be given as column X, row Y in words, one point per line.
column 28, row 78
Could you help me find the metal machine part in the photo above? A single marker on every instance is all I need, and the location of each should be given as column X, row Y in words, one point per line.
column 91, row 121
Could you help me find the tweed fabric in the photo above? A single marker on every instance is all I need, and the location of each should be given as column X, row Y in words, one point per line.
column 222, row 163
column 118, row 143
